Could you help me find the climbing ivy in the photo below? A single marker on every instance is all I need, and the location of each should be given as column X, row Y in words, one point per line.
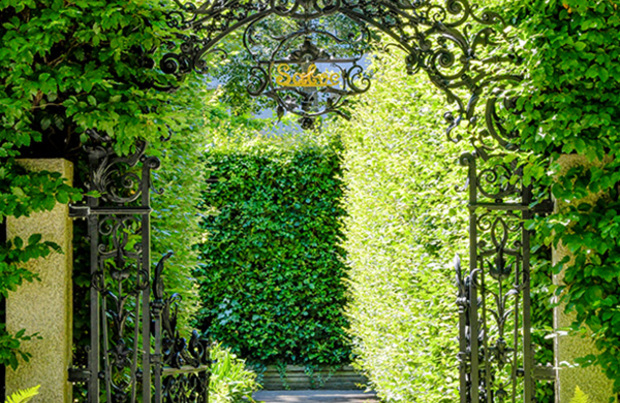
column 569, row 104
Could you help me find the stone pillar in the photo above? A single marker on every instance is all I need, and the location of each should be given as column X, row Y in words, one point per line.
column 45, row 307
column 590, row 380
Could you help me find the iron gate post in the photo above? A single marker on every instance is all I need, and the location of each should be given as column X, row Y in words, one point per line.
column 496, row 353
column 94, row 351
column 147, row 165
column 119, row 354
column 122, row 334
column 528, row 354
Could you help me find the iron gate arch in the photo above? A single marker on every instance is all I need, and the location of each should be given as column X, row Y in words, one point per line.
column 463, row 49
column 465, row 53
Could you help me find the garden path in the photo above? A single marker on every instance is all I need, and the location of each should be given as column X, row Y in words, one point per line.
column 315, row 396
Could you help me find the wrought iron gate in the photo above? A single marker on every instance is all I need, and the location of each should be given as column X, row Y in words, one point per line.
column 136, row 353
column 496, row 353
column 466, row 54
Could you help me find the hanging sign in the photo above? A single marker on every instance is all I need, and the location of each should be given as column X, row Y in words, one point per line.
column 312, row 78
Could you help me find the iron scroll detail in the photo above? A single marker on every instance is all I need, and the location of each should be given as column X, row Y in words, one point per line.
column 463, row 49
column 136, row 353
column 181, row 368
column 496, row 355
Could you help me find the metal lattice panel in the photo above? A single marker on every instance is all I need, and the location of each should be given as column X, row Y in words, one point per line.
column 136, row 353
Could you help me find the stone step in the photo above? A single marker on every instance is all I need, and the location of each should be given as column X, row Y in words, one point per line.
column 315, row 396
column 298, row 378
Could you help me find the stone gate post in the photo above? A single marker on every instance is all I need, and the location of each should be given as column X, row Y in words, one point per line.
column 568, row 347
column 45, row 307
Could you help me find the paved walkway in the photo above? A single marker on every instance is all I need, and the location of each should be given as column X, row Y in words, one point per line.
column 315, row 396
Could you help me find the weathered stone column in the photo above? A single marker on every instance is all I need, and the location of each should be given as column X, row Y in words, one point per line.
column 590, row 380
column 45, row 307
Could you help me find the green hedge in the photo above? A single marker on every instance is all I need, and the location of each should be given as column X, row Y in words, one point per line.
column 271, row 280
column 406, row 222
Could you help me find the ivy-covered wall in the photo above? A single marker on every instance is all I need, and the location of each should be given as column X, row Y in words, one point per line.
column 569, row 103
column 272, row 273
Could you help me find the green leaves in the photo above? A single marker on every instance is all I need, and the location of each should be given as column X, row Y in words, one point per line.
column 271, row 279
column 405, row 223
column 229, row 380
column 13, row 256
column 66, row 67
column 570, row 105
column 23, row 396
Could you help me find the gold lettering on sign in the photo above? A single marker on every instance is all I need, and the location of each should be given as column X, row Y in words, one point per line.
column 308, row 79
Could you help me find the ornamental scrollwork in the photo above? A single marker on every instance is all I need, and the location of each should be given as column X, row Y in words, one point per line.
column 186, row 388
column 463, row 49
column 496, row 357
column 120, row 180
column 175, row 351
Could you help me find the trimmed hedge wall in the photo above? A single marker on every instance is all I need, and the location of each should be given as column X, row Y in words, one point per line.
column 271, row 281
column 405, row 223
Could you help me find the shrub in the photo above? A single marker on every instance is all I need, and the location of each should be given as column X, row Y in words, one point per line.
column 271, row 280
column 405, row 223
column 230, row 381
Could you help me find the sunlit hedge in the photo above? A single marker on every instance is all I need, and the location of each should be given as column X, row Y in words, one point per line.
column 405, row 223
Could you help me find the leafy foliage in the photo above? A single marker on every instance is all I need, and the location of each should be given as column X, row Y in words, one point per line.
column 66, row 67
column 405, row 223
column 23, row 396
column 230, row 381
column 271, row 278
column 569, row 104
column 176, row 215
column 579, row 397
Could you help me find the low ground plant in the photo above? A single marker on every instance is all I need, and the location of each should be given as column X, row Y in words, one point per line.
column 231, row 381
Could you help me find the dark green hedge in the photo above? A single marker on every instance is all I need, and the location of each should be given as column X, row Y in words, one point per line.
column 271, row 282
